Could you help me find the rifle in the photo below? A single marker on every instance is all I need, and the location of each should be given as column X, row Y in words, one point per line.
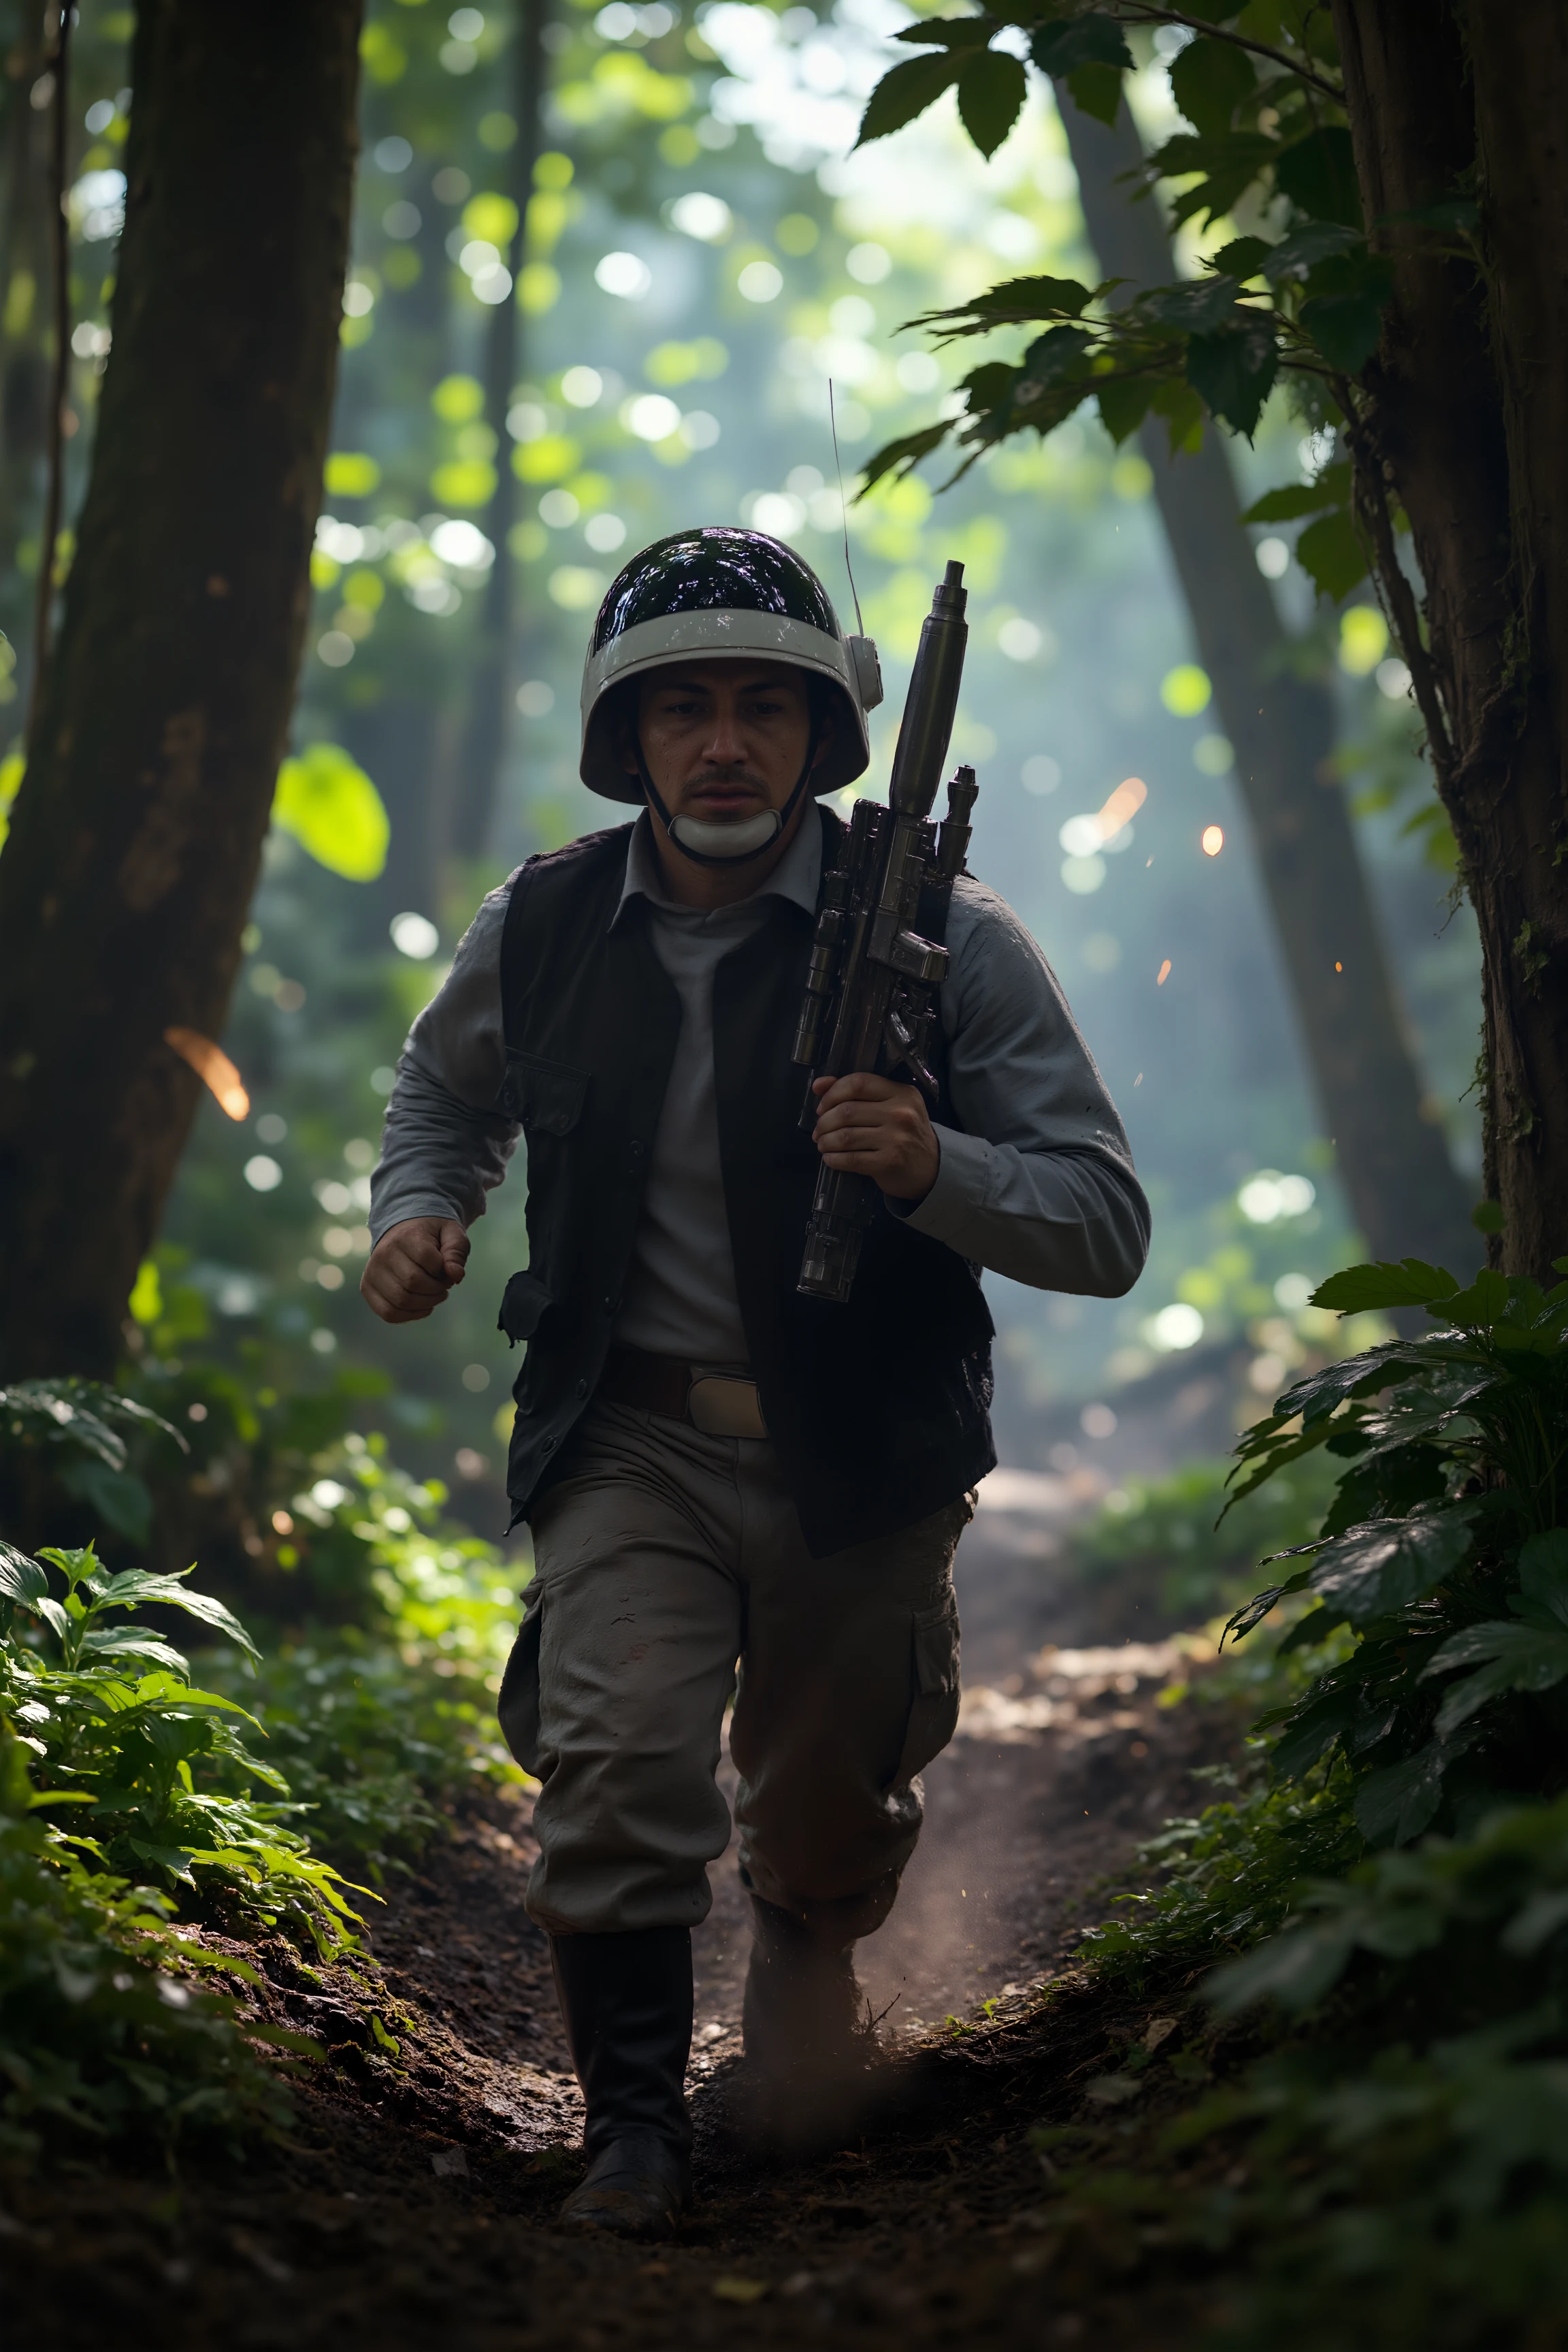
column 872, row 983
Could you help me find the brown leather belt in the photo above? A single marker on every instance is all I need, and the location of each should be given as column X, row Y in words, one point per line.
column 720, row 1404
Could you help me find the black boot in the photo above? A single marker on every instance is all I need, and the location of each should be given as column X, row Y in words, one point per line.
column 626, row 2003
column 808, row 2036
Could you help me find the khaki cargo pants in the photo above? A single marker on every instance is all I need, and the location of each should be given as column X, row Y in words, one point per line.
column 662, row 1557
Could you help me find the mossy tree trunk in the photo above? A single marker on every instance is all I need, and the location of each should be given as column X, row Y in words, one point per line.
column 136, row 836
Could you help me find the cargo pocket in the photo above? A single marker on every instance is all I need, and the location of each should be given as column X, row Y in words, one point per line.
column 517, row 1709
column 933, row 1676
column 545, row 1097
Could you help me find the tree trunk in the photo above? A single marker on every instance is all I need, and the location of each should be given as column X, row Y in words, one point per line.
column 1403, row 1191
column 492, row 684
column 1463, row 428
column 137, row 832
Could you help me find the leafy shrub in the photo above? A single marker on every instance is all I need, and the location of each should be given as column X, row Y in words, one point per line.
column 100, row 2030
column 1159, row 1538
column 82, row 1434
column 117, row 1723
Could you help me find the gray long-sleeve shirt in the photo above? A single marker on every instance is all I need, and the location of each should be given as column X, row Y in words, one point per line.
column 1037, row 1182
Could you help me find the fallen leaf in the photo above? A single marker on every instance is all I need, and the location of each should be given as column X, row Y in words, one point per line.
column 1158, row 2030
column 732, row 2289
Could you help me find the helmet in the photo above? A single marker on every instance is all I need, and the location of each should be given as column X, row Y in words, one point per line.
column 723, row 591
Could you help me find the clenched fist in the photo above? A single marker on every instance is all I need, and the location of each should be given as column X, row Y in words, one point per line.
column 412, row 1267
column 872, row 1127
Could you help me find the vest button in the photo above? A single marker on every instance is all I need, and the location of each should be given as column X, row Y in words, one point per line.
column 582, row 1388
column 548, row 1445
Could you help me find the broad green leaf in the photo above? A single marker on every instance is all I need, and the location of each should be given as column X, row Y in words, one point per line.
column 1543, row 1578
column 1209, row 80
column 1484, row 1303
column 1242, row 259
column 1301, row 252
column 1230, row 165
column 1389, row 1564
column 1422, row 1408
column 1233, row 370
column 1061, row 49
column 1331, row 488
column 901, row 457
column 134, row 1588
column 1310, row 1730
column 330, row 807
column 1258, row 1607
column 991, row 93
column 1123, row 404
column 1183, row 411
column 175, row 1859
column 1096, row 91
column 1050, row 356
column 21, row 1578
column 949, row 33
column 1346, row 328
column 1193, row 307
column 1331, row 555
column 133, row 1642
column 906, row 92
column 1382, row 1288
column 122, row 1501
column 1318, row 175
column 1023, row 299
column 1296, row 1969
column 1396, row 1804
column 1510, row 1657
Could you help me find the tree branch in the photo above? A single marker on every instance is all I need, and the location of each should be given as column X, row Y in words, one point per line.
column 1138, row 15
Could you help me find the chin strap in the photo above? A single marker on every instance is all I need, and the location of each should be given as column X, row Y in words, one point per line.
column 701, row 842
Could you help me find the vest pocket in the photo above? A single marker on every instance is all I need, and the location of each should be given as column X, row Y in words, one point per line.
column 524, row 1304
column 547, row 1098
column 933, row 1676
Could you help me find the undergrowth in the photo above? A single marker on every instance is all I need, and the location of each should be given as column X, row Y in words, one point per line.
column 1385, row 1881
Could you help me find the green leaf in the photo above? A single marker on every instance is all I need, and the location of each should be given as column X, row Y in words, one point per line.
column 1124, row 403
column 901, row 457
column 1309, row 1730
column 1294, row 500
column 334, row 811
column 1510, row 1657
column 1382, row 1288
column 1233, row 372
column 1484, row 1303
column 1096, row 91
column 1209, row 80
column 1543, row 1578
column 1331, row 555
column 1024, row 299
column 1183, row 411
column 1049, row 357
column 1258, row 1607
column 1396, row 1804
column 134, row 1588
column 133, row 1642
column 21, row 1578
column 1242, row 259
column 1296, row 1969
column 1487, row 1217
column 1318, row 175
column 906, row 92
column 1346, row 328
column 1300, row 253
column 1195, row 307
column 1062, row 48
column 949, row 33
column 1388, row 1564
column 991, row 93
column 1230, row 165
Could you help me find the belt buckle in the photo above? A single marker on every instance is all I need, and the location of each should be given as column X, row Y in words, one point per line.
column 719, row 1405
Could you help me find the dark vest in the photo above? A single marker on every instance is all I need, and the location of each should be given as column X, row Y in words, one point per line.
column 878, row 1408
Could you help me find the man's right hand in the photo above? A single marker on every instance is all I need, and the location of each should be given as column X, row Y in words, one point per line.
column 412, row 1267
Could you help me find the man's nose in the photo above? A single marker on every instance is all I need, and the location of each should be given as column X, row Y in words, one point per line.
column 725, row 740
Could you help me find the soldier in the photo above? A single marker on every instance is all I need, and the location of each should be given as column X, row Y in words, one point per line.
column 714, row 1467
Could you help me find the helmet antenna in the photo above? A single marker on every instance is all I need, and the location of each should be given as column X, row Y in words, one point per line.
column 843, row 510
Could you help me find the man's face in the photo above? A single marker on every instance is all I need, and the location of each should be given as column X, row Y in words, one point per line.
column 723, row 739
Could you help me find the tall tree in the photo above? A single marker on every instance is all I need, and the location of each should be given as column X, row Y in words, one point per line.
column 137, row 832
column 1403, row 1189
column 490, row 711
column 1399, row 172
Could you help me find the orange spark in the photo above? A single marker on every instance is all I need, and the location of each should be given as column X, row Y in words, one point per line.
column 1163, row 974
column 213, row 1066
column 1211, row 841
column 1122, row 807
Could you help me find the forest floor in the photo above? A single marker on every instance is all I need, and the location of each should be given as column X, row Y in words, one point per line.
column 413, row 2204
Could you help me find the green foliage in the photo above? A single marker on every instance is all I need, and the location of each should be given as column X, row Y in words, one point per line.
column 1160, row 1539
column 80, row 1429
column 101, row 2031
column 143, row 1759
column 331, row 808
column 1301, row 295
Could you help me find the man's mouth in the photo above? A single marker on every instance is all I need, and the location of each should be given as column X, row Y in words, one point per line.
column 726, row 798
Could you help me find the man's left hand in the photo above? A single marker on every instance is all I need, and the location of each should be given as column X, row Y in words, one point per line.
column 871, row 1127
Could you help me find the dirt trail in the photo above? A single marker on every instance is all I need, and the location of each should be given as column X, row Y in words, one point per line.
column 415, row 2208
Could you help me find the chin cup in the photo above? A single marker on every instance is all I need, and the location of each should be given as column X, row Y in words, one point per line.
column 719, row 843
